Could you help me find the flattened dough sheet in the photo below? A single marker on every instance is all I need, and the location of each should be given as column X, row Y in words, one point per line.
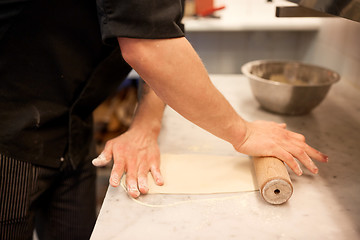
column 204, row 174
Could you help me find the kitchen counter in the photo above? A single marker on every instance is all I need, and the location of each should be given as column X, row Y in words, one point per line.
column 323, row 206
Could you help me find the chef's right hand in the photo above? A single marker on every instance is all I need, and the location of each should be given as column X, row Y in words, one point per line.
column 266, row 139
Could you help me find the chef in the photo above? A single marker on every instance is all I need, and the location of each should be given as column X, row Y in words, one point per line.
column 58, row 61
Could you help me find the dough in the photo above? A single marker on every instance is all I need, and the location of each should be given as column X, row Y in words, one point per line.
column 204, row 174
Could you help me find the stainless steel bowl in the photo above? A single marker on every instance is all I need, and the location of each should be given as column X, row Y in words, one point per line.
column 288, row 87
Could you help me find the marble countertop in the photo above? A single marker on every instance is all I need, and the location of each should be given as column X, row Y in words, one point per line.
column 323, row 206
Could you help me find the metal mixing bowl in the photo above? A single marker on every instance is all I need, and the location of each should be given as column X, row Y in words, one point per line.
column 288, row 87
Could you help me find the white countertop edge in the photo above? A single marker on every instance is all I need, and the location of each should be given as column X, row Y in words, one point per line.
column 252, row 24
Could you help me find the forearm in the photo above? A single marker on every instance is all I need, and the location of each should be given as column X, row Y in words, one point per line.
column 148, row 115
column 174, row 71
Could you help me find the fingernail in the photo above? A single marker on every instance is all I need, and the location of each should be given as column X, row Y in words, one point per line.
column 94, row 162
column 316, row 170
column 134, row 189
column 324, row 156
column 99, row 160
column 159, row 180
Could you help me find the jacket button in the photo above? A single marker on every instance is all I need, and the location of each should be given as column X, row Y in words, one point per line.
column 62, row 159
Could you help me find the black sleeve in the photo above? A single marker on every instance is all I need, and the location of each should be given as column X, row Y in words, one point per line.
column 9, row 10
column 147, row 19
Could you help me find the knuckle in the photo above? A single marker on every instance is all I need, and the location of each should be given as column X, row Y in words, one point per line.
column 288, row 159
column 291, row 162
column 301, row 138
column 301, row 155
column 143, row 169
column 118, row 168
column 299, row 152
column 142, row 177
column 155, row 168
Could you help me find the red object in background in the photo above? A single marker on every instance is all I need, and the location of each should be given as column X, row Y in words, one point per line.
column 206, row 7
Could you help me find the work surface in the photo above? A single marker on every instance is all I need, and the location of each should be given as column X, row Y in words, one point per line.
column 323, row 206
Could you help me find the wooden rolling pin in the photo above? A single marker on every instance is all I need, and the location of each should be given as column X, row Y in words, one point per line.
column 273, row 179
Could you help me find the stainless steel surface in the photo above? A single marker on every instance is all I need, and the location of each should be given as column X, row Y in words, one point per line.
column 295, row 88
column 349, row 9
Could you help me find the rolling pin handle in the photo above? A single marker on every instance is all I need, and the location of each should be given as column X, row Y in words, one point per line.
column 273, row 180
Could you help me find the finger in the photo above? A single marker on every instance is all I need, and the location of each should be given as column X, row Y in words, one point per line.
column 304, row 158
column 315, row 154
column 117, row 170
column 101, row 160
column 116, row 174
column 104, row 157
column 132, row 186
column 289, row 160
column 311, row 152
column 156, row 174
column 142, row 176
column 143, row 184
column 297, row 148
column 131, row 177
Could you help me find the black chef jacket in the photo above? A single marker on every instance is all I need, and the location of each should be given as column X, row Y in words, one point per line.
column 55, row 69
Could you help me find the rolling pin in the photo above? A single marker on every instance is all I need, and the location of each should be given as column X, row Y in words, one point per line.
column 273, row 179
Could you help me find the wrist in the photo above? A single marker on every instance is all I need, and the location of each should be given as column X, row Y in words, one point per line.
column 149, row 128
column 240, row 135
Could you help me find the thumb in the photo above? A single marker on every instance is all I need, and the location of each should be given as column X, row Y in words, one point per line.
column 104, row 158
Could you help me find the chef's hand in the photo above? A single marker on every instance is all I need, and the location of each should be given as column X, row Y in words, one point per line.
column 272, row 139
column 135, row 153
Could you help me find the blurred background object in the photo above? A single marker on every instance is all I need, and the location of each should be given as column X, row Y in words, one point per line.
column 202, row 8
column 206, row 7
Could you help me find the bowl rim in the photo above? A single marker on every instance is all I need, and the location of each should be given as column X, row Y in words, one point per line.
column 245, row 68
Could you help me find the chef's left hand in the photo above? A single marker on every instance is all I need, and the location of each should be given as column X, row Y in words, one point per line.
column 135, row 153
